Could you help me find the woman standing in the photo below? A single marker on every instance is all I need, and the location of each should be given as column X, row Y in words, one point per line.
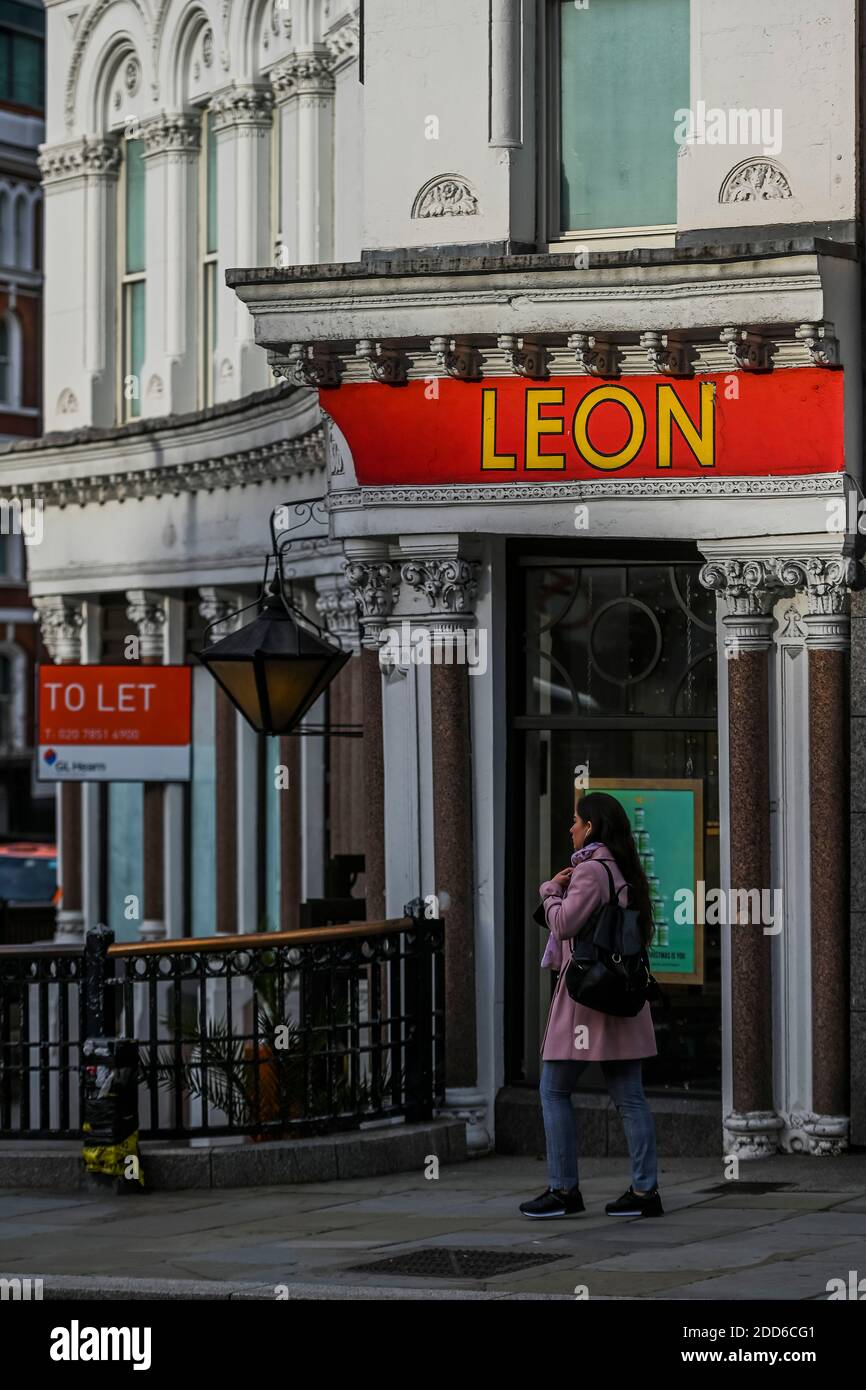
column 576, row 1035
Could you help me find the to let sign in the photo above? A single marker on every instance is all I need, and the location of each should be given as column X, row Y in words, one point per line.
column 114, row 723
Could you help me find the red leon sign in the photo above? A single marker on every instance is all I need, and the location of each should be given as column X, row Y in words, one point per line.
column 507, row 429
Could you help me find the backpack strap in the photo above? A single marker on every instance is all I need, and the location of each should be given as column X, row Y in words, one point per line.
column 614, row 892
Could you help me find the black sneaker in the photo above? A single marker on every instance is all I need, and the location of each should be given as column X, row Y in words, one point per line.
column 630, row 1204
column 554, row 1202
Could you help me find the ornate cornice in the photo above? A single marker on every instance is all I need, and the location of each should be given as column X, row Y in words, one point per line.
column 242, row 106
column 60, row 620
column 649, row 489
column 179, row 133
column 665, row 354
column 526, row 357
column 88, row 156
column 147, row 611
column 281, row 459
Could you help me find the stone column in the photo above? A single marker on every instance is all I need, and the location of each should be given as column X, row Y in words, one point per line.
column 338, row 612
column 826, row 582
column 306, row 82
column 242, row 124
column 749, row 589
column 447, row 588
column 171, row 145
column 374, row 586
column 217, row 606
column 61, row 620
column 80, row 181
column 147, row 611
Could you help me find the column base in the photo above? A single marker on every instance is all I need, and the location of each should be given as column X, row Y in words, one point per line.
column 822, row 1136
column 69, row 927
column 468, row 1104
column 152, row 929
column 752, row 1133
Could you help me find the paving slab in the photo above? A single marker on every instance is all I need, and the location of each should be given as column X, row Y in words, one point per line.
column 248, row 1242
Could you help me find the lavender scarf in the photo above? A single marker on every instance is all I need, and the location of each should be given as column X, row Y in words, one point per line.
column 552, row 958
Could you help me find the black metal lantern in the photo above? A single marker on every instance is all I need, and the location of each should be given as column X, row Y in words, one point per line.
column 276, row 667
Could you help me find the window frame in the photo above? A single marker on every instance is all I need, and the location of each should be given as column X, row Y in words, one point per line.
column 208, row 261
column 125, row 281
column 550, row 166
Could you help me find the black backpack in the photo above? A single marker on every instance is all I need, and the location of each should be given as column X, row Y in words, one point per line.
column 609, row 968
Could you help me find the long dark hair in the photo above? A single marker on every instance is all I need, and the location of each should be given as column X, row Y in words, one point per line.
column 610, row 826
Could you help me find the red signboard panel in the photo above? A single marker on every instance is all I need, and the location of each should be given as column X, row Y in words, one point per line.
column 114, row 723
column 510, row 429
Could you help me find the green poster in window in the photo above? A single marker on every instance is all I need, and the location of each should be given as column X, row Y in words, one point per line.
column 667, row 821
column 623, row 73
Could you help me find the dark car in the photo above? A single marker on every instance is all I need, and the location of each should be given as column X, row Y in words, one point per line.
column 28, row 892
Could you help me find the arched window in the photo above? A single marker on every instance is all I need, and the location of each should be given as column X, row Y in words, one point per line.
column 10, row 360
column 5, row 229
column 21, row 256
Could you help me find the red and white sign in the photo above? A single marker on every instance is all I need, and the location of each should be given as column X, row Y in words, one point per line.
column 510, row 430
column 114, row 723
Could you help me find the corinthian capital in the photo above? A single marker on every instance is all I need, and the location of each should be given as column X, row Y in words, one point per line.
column 448, row 584
column 74, row 159
column 242, row 106
column 750, row 587
column 147, row 612
column 60, row 621
column 374, row 589
column 172, row 134
column 826, row 579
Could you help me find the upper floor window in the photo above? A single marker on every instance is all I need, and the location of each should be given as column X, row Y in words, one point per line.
column 208, row 256
column 10, row 360
column 132, row 279
column 622, row 71
column 22, row 73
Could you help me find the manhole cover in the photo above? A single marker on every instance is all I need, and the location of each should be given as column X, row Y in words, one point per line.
column 447, row 1262
column 749, row 1187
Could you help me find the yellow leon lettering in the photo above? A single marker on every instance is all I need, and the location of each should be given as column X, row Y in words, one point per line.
column 489, row 456
column 670, row 411
column 537, row 425
column 620, row 396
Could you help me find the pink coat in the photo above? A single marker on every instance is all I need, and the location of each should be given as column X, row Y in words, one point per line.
column 603, row 1037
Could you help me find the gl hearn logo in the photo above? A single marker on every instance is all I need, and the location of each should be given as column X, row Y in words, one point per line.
column 49, row 757
column 76, row 1343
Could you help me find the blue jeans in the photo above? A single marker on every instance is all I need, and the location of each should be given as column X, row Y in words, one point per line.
column 623, row 1079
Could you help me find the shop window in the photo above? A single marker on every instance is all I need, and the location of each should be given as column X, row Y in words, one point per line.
column 613, row 680
column 132, row 280
column 620, row 71
column 208, row 256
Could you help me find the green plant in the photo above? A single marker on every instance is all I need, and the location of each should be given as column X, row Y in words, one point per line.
column 257, row 1086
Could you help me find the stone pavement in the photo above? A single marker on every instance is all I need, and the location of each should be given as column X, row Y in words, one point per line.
column 304, row 1240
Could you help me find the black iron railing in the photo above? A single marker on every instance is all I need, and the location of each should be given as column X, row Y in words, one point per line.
column 267, row 1035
